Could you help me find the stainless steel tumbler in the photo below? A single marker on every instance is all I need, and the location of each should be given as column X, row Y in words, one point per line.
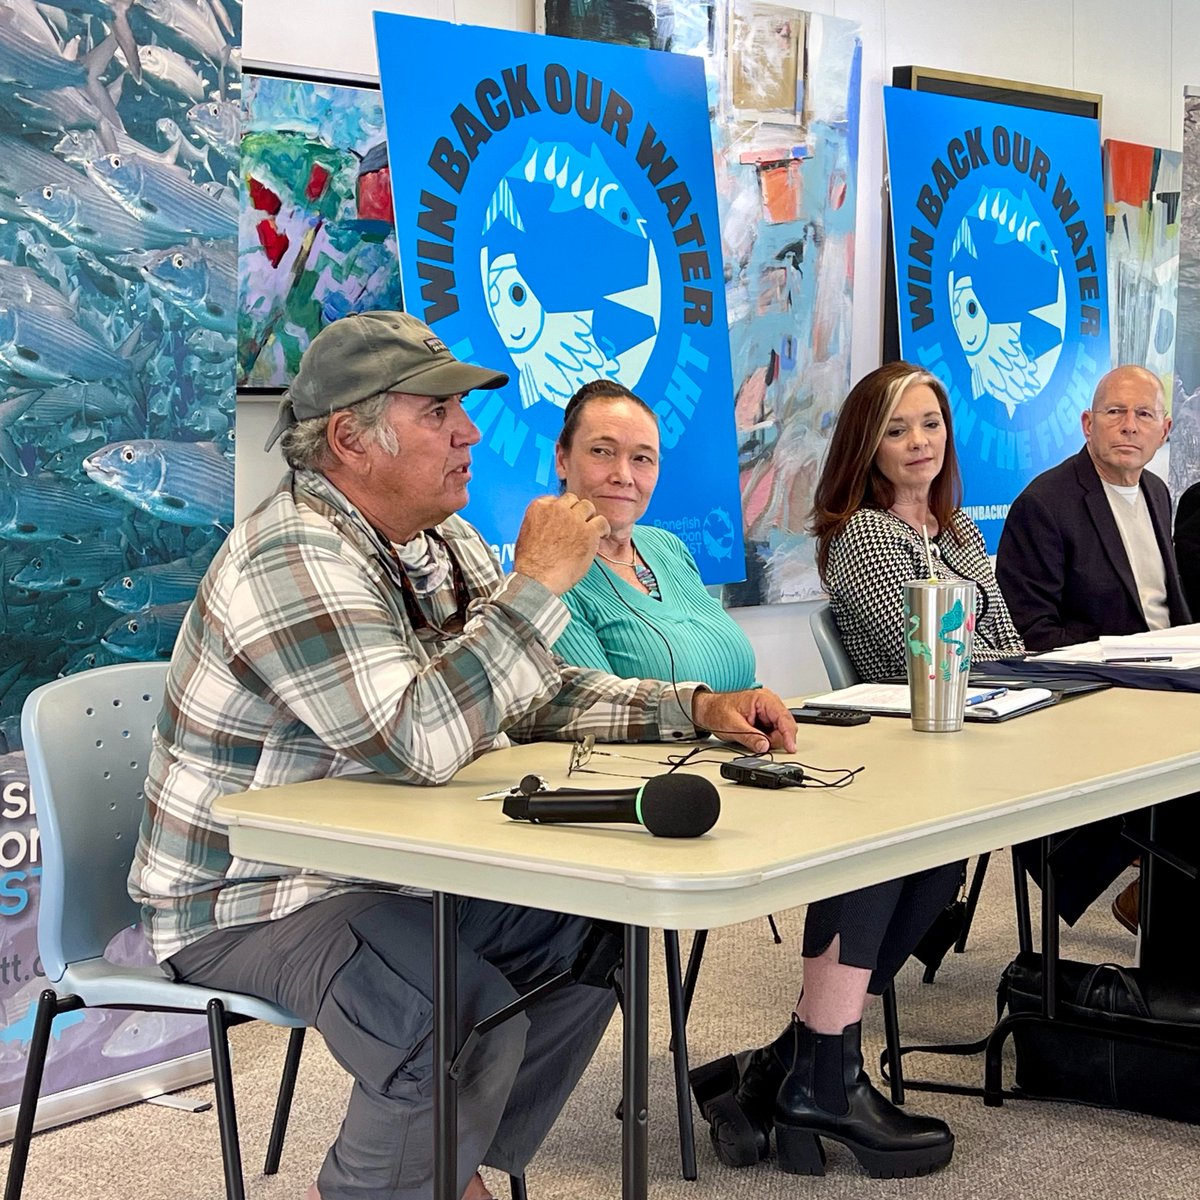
column 939, row 627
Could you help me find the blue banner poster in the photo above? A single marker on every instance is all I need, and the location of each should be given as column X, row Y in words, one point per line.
column 998, row 224
column 556, row 218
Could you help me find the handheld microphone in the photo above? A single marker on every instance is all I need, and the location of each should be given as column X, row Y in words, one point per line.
column 667, row 805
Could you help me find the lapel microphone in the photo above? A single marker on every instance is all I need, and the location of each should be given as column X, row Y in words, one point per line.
column 667, row 805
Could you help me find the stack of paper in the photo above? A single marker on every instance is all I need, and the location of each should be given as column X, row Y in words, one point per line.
column 1175, row 649
column 1181, row 639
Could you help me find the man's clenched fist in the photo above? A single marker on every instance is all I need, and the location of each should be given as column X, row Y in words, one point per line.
column 558, row 540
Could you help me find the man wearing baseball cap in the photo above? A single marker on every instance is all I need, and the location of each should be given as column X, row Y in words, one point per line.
column 354, row 623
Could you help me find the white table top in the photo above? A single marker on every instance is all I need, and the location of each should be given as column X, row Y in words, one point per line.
column 924, row 799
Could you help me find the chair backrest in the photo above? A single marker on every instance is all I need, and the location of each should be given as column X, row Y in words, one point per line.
column 837, row 664
column 87, row 743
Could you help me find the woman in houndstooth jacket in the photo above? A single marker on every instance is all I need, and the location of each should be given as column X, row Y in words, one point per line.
column 891, row 469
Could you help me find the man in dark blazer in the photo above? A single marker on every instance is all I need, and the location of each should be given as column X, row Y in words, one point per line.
column 1187, row 545
column 1085, row 552
column 1062, row 563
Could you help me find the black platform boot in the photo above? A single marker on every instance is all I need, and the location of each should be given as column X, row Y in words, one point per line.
column 827, row 1094
column 736, row 1095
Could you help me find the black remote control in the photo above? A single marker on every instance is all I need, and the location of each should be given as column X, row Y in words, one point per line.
column 830, row 716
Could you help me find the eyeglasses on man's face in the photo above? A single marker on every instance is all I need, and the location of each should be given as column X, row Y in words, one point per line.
column 1114, row 414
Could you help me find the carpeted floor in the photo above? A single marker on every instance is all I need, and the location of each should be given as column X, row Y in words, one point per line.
column 1026, row 1149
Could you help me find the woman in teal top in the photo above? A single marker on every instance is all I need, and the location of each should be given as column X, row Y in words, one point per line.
column 641, row 611
column 809, row 1083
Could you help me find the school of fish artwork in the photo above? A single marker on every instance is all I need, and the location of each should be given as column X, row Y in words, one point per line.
column 1007, row 297
column 316, row 236
column 559, row 327
column 119, row 139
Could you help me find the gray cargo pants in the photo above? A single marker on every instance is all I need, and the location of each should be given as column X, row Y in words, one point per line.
column 358, row 966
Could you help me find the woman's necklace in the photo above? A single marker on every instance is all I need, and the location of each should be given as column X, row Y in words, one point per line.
column 616, row 562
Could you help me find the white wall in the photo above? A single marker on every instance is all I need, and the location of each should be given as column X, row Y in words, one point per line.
column 1140, row 56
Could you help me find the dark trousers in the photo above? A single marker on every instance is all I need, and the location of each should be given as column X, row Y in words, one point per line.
column 358, row 966
column 1171, row 898
column 1085, row 860
column 880, row 926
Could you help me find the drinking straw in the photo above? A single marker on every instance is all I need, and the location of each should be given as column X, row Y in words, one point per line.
column 928, row 554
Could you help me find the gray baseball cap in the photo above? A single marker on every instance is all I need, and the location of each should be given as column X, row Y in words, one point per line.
column 364, row 354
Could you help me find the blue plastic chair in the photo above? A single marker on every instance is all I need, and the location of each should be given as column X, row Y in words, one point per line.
column 833, row 654
column 87, row 741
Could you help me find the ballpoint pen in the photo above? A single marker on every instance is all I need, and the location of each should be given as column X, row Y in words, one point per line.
column 529, row 785
column 990, row 695
column 501, row 795
column 1146, row 658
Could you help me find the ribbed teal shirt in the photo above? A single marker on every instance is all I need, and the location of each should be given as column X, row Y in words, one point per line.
column 706, row 644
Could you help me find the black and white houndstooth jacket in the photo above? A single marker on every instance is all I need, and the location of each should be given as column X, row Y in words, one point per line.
column 870, row 561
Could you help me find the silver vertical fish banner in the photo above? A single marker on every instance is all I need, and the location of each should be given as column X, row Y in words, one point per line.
column 118, row 224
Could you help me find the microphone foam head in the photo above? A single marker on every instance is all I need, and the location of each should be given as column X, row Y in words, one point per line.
column 679, row 805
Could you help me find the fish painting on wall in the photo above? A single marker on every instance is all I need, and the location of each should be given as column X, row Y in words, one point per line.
column 118, row 151
column 118, row 220
column 784, row 91
column 317, row 239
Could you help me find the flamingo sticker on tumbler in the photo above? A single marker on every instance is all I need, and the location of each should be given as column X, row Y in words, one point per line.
column 939, row 621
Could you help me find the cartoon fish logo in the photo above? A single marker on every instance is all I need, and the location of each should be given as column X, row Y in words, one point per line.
column 1011, row 346
column 555, row 353
column 559, row 338
column 578, row 181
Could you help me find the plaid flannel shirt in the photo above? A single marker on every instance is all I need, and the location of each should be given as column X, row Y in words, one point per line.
column 298, row 661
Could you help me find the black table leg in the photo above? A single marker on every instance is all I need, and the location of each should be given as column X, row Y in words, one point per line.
column 445, row 1037
column 679, row 1054
column 1049, row 935
column 635, row 1066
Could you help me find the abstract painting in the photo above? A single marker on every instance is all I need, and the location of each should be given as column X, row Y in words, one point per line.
column 788, row 192
column 1141, row 212
column 316, row 238
column 784, row 94
column 1184, row 469
column 765, row 62
column 624, row 22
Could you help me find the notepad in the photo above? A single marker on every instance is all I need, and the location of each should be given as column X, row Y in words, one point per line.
column 1015, row 700
column 891, row 699
column 1175, row 649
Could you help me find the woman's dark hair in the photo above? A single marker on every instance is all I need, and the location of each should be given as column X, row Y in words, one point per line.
column 850, row 480
column 595, row 389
